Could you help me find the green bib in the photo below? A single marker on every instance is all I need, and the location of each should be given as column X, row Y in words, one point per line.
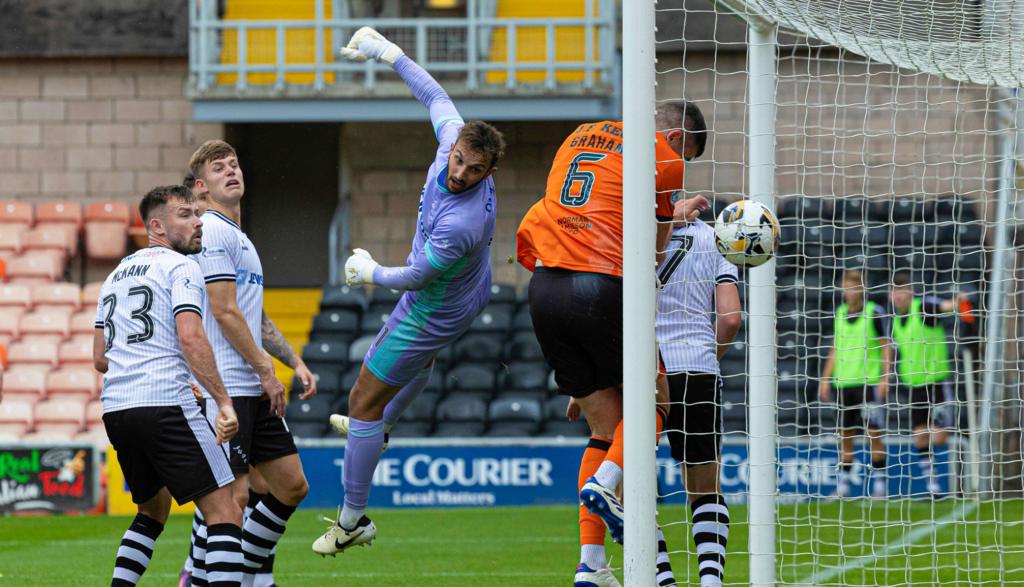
column 858, row 349
column 923, row 356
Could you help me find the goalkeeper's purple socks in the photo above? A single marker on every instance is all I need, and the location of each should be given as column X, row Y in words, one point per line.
column 362, row 452
column 405, row 396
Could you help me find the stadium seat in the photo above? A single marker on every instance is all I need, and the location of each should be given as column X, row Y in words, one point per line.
column 850, row 211
column 342, row 322
column 19, row 296
column 522, row 322
column 34, row 351
column 503, row 293
column 478, row 348
column 62, row 295
column 59, row 417
column 804, row 208
column 348, row 379
column 566, row 428
column 330, row 354
column 470, row 377
column 137, row 230
column 106, row 224
column 36, row 267
column 52, row 238
column 308, row 419
column 529, row 376
column 91, row 294
column 84, row 321
column 552, row 382
column 12, row 239
column 458, row 430
column 95, row 434
column 422, row 408
column 407, row 429
column 493, row 319
column 72, row 381
column 16, row 212
column 26, row 380
column 76, row 352
column 357, row 350
column 512, row 430
column 94, row 413
column 513, row 409
column 328, row 381
column 539, row 395
column 458, row 408
column 46, row 321
column 376, row 316
column 554, row 408
column 10, row 319
column 384, row 295
column 65, row 216
column 343, row 297
column 525, row 347
column 16, row 418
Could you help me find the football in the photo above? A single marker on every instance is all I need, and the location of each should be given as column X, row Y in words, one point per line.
column 747, row 233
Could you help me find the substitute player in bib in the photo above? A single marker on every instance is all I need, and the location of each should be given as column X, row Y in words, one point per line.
column 572, row 242
column 447, row 279
column 857, row 370
column 698, row 317
column 149, row 343
column 924, row 367
column 242, row 336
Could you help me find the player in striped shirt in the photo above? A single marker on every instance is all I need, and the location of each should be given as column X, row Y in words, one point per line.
column 149, row 343
column 698, row 317
column 243, row 340
column 446, row 278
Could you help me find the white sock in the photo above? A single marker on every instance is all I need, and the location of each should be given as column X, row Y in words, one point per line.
column 593, row 556
column 609, row 475
column 350, row 517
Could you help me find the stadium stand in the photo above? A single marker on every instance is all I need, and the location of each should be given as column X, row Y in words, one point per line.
column 106, row 230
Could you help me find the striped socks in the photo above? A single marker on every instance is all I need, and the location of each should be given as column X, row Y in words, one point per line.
column 665, row 576
column 136, row 550
column 198, row 550
column 710, row 535
column 224, row 555
column 263, row 528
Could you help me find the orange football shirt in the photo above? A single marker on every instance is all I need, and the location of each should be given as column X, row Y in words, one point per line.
column 578, row 224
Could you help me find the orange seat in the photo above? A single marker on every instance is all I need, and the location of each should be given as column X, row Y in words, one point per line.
column 91, row 294
column 12, row 239
column 39, row 266
column 15, row 295
column 16, row 418
column 15, row 212
column 62, row 295
column 72, row 381
column 108, row 211
column 66, row 216
column 33, row 352
column 10, row 321
column 3, row 357
column 95, row 434
column 76, row 352
column 27, row 380
column 46, row 321
column 94, row 413
column 83, row 322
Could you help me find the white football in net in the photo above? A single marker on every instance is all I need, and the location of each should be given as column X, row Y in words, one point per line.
column 747, row 233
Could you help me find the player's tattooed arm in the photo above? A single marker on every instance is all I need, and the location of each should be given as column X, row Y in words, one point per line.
column 275, row 343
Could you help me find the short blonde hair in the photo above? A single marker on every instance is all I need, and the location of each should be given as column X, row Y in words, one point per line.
column 211, row 150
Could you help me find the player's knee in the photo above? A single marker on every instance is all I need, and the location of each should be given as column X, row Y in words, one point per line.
column 158, row 508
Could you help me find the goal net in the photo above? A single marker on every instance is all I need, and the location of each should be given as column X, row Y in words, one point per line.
column 896, row 153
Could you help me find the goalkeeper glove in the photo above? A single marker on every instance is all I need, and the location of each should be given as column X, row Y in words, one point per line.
column 367, row 43
column 359, row 268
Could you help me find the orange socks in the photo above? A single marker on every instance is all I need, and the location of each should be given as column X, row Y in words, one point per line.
column 592, row 529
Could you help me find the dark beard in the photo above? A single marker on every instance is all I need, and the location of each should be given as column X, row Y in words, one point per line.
column 186, row 249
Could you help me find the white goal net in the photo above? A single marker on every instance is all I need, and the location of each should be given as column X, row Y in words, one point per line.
column 896, row 169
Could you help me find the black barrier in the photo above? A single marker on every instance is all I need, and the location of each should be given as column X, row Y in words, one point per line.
column 48, row 478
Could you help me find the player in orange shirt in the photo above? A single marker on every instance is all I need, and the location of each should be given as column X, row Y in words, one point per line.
column 572, row 242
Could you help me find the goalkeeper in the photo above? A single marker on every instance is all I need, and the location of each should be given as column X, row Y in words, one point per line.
column 446, row 278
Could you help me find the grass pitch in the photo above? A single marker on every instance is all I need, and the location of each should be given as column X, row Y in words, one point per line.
column 855, row 542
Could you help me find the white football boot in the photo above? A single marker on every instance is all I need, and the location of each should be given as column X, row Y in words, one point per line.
column 337, row 539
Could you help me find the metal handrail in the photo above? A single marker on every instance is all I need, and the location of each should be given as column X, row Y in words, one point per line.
column 207, row 34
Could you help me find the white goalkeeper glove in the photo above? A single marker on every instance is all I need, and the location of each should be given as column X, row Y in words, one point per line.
column 367, row 43
column 359, row 268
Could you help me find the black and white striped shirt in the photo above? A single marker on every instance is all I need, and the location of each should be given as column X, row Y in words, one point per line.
column 229, row 255
column 692, row 269
column 136, row 310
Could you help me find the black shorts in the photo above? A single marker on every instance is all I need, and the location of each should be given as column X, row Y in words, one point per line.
column 695, row 419
column 261, row 437
column 925, row 405
column 855, row 408
column 167, row 446
column 577, row 318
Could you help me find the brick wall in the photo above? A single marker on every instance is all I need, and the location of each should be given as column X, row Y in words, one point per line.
column 94, row 128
